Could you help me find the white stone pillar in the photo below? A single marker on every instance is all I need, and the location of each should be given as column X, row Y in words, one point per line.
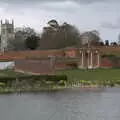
column 88, row 63
column 98, row 57
column 82, row 62
column 91, row 60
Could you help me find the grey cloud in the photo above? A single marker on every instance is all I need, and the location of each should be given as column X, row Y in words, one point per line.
column 48, row 6
column 40, row 1
column 78, row 12
column 111, row 25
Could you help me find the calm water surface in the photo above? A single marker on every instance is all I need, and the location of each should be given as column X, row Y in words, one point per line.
column 76, row 104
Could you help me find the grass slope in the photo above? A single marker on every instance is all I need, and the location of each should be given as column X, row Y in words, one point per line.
column 10, row 73
column 98, row 74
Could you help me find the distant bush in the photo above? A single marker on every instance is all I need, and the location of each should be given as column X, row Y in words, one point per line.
column 108, row 56
column 38, row 77
column 73, row 65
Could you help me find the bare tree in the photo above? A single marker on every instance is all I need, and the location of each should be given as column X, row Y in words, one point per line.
column 21, row 35
column 91, row 37
column 59, row 36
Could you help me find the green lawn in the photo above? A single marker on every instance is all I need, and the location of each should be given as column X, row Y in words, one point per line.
column 9, row 73
column 77, row 74
column 98, row 74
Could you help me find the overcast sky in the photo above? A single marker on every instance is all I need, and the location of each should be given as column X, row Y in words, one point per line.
column 102, row 15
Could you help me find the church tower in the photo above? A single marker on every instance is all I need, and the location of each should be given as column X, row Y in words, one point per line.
column 7, row 35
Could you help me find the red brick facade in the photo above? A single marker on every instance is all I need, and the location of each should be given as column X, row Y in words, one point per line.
column 42, row 67
column 70, row 53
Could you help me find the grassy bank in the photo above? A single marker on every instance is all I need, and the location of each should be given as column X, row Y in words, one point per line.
column 96, row 77
column 11, row 81
column 10, row 73
column 77, row 74
column 75, row 78
column 96, row 74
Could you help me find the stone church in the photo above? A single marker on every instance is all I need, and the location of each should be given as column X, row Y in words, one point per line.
column 7, row 35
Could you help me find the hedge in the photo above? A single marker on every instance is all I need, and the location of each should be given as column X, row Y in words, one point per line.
column 38, row 77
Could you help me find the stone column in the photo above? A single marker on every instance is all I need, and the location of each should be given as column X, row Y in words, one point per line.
column 91, row 60
column 88, row 61
column 82, row 62
column 98, row 58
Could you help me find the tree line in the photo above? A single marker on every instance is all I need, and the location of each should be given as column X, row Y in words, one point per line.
column 55, row 36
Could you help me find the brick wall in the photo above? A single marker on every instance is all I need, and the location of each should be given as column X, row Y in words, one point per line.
column 108, row 63
column 43, row 67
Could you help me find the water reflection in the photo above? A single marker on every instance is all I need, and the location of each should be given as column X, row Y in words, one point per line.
column 75, row 104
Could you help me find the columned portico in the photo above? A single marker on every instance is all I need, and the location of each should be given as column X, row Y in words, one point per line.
column 89, row 58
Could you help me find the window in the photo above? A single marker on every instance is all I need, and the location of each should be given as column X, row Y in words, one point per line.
column 3, row 31
column 9, row 30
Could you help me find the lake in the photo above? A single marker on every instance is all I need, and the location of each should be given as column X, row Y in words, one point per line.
column 70, row 104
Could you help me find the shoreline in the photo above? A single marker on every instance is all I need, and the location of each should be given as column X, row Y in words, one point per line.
column 11, row 82
column 47, row 89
